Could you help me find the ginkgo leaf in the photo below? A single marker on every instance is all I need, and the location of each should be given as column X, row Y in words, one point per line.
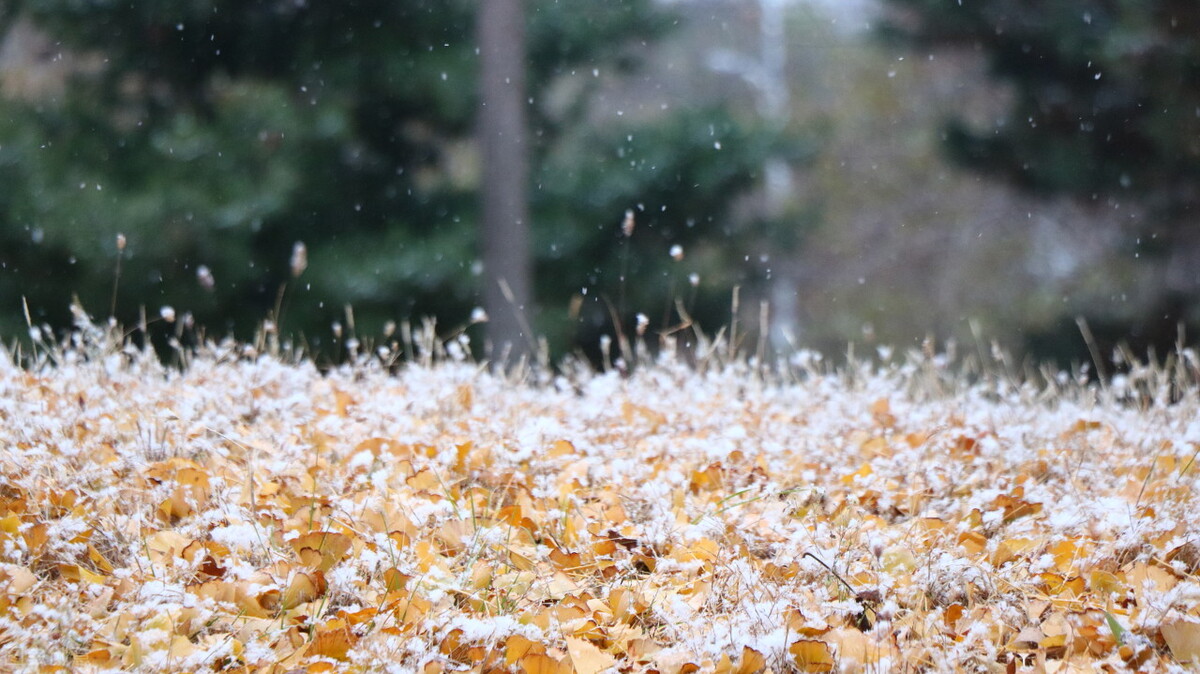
column 321, row 550
column 176, row 507
column 1183, row 638
column 517, row 647
column 305, row 586
column 17, row 579
column 538, row 663
column 566, row 561
column 854, row 646
column 394, row 581
column 881, row 410
column 99, row 559
column 332, row 640
column 1104, row 582
column 80, row 575
column 586, row 658
column 452, row 643
column 811, row 656
column 751, row 662
column 425, row 480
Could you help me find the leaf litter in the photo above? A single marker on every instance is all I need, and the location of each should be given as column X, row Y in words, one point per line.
column 251, row 513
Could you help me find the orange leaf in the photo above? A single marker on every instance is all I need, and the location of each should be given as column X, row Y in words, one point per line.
column 1011, row 549
column 452, row 644
column 707, row 479
column 863, row 471
column 208, row 557
column 394, row 581
column 17, row 579
column 881, row 410
column 342, row 402
column 373, row 445
column 305, row 587
column 812, row 656
column 327, row 548
column 519, row 561
column 1183, row 638
column 853, row 646
column 99, row 657
column 538, row 663
column 79, row 574
column 10, row 525
column 175, row 507
column 98, row 559
column 752, row 662
column 1105, row 582
column 332, row 640
column 973, row 542
column 517, row 647
column 462, row 451
column 586, row 658
column 565, row 560
column 193, row 477
column 425, row 480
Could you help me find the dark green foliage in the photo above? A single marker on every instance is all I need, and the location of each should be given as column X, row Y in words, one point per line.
column 219, row 133
column 1104, row 106
column 1105, row 96
column 678, row 177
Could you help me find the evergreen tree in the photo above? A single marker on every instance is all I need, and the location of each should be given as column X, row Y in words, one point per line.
column 1104, row 106
column 1105, row 98
column 215, row 135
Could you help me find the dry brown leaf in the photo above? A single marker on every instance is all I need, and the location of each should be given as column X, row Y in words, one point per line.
column 17, row 579
column 586, row 658
column 1183, row 638
column 394, row 581
column 79, row 574
column 810, row 655
column 881, row 410
column 425, row 480
column 1013, row 548
column 752, row 662
column 538, row 663
column 321, row 550
column 567, row 561
column 305, row 586
column 1103, row 582
column 853, row 646
column 517, row 647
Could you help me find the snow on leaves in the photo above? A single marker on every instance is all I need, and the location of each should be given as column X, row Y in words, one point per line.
column 250, row 515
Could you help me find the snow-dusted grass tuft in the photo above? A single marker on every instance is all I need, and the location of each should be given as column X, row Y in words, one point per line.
column 248, row 512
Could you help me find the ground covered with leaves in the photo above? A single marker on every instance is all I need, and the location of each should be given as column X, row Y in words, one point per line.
column 249, row 513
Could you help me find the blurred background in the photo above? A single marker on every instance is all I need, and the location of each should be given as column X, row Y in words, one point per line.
column 878, row 171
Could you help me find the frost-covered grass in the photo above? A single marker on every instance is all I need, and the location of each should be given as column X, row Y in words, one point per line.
column 248, row 512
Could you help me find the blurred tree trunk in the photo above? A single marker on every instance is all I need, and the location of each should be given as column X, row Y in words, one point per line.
column 505, row 209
